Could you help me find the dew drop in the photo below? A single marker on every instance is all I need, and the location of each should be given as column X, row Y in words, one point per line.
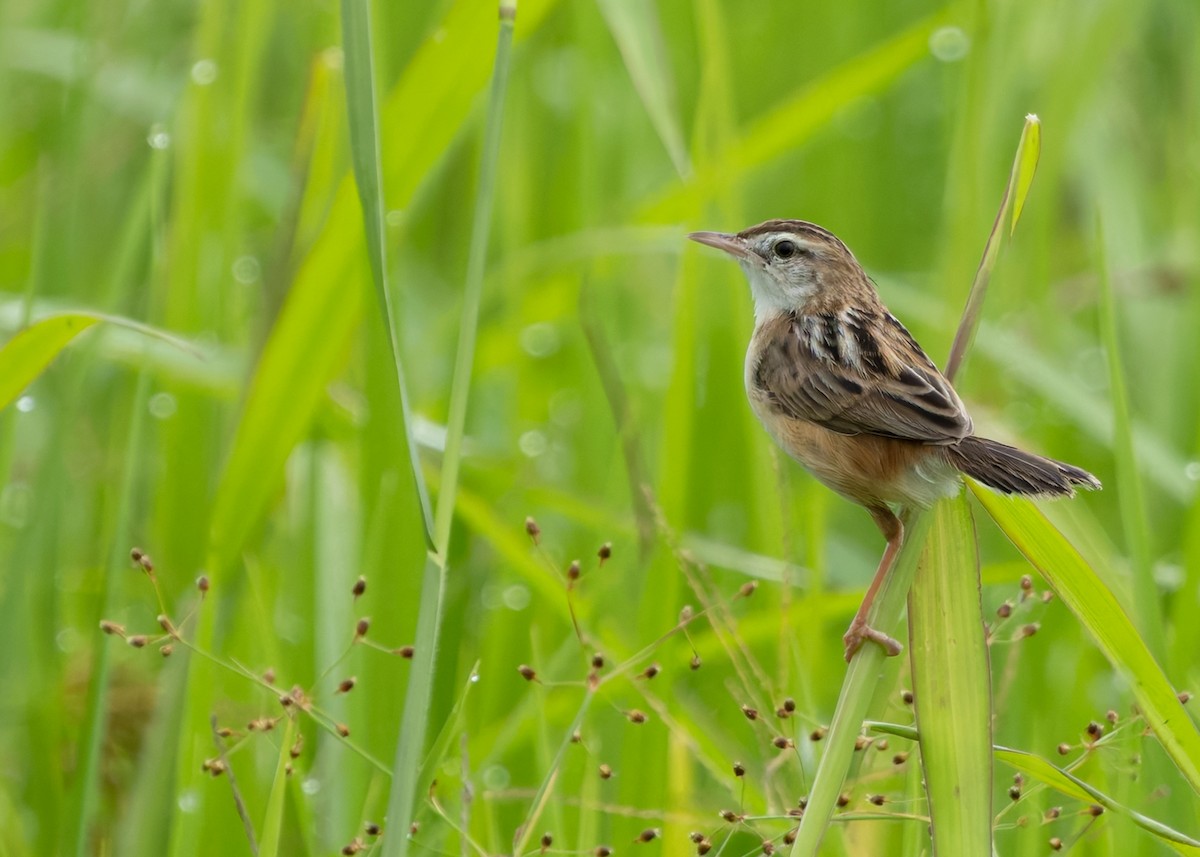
column 246, row 270
column 16, row 500
column 496, row 777
column 533, row 443
column 158, row 138
column 25, row 404
column 163, row 406
column 540, row 340
column 204, row 72
column 949, row 44
column 516, row 597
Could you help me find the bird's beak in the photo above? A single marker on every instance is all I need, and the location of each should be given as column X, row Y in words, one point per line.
column 731, row 244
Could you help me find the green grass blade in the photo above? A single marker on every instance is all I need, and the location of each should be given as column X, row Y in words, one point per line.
column 272, row 828
column 305, row 348
column 862, row 678
column 797, row 118
column 1029, row 151
column 1011, row 205
column 952, row 683
column 96, row 719
column 1131, row 494
column 1065, row 783
column 1094, row 604
column 468, row 330
column 635, row 28
column 1070, row 785
column 364, row 148
column 414, row 722
column 24, row 357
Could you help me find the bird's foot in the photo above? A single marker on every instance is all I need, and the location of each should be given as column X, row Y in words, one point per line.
column 859, row 632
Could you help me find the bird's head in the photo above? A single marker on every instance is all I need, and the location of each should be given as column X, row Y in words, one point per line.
column 792, row 266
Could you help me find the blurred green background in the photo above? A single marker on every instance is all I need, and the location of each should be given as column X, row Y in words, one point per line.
column 187, row 165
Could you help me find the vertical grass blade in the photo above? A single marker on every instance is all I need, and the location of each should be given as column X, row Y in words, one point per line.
column 96, row 719
column 635, row 28
column 1011, row 205
column 361, row 103
column 414, row 723
column 952, row 683
column 272, row 827
column 1130, row 494
column 862, row 679
column 473, row 293
column 315, row 323
column 1094, row 604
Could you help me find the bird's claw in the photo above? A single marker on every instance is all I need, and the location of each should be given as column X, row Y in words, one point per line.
column 859, row 632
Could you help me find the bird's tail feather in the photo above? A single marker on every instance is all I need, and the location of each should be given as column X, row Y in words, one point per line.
column 1009, row 470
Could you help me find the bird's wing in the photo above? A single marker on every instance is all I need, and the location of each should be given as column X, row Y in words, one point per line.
column 855, row 373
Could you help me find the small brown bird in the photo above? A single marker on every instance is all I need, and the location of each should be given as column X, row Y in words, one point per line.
column 840, row 384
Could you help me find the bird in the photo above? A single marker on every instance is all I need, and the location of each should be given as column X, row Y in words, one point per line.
column 843, row 388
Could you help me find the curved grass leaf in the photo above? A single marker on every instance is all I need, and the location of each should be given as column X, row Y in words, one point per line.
column 1070, row 785
column 24, row 357
column 952, row 683
column 1067, row 784
column 1093, row 603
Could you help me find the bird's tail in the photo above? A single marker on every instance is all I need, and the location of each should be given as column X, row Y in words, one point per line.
column 1012, row 471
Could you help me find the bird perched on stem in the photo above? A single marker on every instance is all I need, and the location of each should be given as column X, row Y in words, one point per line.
column 844, row 389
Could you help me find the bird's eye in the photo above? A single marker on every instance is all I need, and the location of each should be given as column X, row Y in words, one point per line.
column 785, row 249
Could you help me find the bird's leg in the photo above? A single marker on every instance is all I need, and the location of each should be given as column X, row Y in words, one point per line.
column 859, row 631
